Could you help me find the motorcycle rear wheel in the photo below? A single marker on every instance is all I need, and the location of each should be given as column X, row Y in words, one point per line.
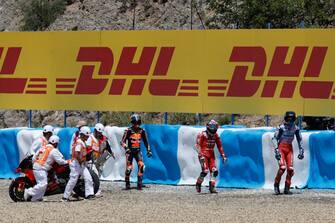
column 80, row 187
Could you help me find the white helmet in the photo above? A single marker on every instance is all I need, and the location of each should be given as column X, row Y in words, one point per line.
column 48, row 128
column 85, row 131
column 54, row 139
column 99, row 127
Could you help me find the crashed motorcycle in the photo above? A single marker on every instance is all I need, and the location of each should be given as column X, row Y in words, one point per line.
column 58, row 177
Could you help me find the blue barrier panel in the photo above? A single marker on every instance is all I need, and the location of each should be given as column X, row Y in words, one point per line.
column 163, row 166
column 322, row 166
column 9, row 154
column 245, row 167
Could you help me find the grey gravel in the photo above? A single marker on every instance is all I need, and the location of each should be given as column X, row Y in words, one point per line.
column 163, row 203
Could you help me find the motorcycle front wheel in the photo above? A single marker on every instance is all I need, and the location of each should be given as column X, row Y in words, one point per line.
column 16, row 189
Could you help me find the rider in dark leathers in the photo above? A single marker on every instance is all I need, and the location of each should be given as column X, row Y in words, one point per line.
column 131, row 141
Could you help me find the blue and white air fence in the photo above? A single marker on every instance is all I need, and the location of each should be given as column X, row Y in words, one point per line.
column 251, row 162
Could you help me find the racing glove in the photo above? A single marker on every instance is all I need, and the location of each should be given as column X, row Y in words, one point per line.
column 127, row 150
column 224, row 158
column 149, row 153
column 301, row 153
column 277, row 154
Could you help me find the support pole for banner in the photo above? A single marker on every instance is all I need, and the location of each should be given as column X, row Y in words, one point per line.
column 267, row 120
column 198, row 118
column 65, row 117
column 165, row 118
column 299, row 121
column 134, row 13
column 232, row 119
column 30, row 118
column 98, row 116
column 302, row 25
column 191, row 14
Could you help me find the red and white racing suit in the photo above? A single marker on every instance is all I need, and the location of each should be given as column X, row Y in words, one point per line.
column 205, row 145
column 285, row 136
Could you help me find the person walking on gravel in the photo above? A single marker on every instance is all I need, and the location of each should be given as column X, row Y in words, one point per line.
column 78, row 166
column 43, row 160
column 283, row 139
column 205, row 144
column 48, row 131
column 134, row 135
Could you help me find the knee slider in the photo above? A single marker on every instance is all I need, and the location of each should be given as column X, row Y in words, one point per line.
column 141, row 166
column 283, row 168
column 290, row 171
column 128, row 171
column 215, row 172
column 203, row 174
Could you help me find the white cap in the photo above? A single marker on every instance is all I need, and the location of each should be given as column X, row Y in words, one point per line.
column 54, row 139
column 85, row 131
column 99, row 127
column 48, row 128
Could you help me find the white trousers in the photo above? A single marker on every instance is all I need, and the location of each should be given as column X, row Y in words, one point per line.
column 39, row 189
column 76, row 171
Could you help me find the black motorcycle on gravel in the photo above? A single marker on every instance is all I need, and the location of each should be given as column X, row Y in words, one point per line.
column 58, row 177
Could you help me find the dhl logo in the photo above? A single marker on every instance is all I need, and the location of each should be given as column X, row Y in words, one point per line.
column 240, row 85
column 308, row 88
column 159, row 85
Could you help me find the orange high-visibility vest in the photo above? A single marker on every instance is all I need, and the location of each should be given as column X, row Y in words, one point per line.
column 44, row 141
column 73, row 146
column 83, row 150
column 43, row 154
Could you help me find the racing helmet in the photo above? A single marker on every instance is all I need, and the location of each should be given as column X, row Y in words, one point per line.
column 212, row 126
column 290, row 116
column 135, row 119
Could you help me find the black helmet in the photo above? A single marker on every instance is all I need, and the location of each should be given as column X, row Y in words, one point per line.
column 290, row 116
column 212, row 126
column 135, row 119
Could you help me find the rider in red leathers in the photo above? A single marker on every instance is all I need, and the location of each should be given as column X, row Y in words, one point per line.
column 205, row 144
column 283, row 139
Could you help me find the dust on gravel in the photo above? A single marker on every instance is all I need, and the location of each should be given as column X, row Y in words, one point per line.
column 162, row 203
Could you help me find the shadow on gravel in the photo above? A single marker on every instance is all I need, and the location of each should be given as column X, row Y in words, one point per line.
column 135, row 188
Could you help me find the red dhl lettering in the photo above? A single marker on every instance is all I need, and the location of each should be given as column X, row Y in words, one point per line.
column 89, row 85
column 159, row 85
column 241, row 87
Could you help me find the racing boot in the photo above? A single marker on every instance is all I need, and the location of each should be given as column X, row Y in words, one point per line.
column 139, row 183
column 212, row 187
column 276, row 188
column 287, row 190
column 198, row 187
column 127, row 183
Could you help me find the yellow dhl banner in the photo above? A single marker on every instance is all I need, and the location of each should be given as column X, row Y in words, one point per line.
column 212, row 71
